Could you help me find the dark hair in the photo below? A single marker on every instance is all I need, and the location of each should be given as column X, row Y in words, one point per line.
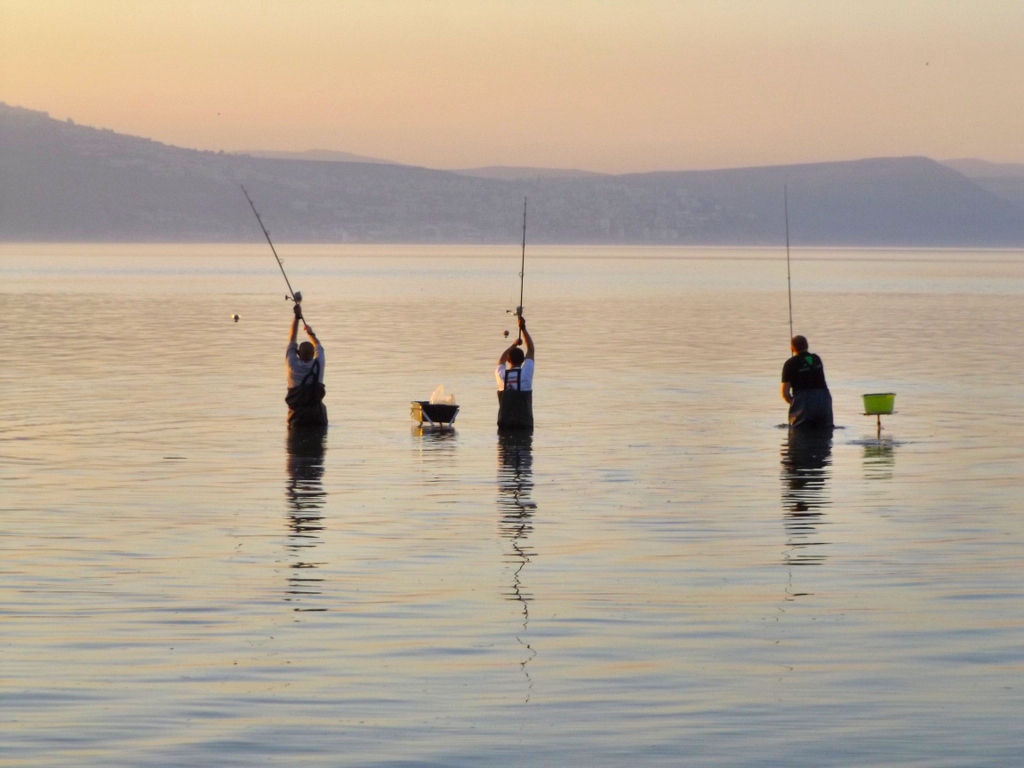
column 516, row 357
column 799, row 343
column 306, row 351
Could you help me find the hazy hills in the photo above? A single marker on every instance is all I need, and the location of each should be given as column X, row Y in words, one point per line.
column 515, row 173
column 61, row 181
column 1005, row 180
column 328, row 155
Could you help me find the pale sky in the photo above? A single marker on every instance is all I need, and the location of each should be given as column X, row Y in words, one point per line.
column 607, row 85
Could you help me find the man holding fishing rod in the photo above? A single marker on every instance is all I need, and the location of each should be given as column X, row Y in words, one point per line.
column 515, row 383
column 804, row 388
column 305, row 364
column 305, row 361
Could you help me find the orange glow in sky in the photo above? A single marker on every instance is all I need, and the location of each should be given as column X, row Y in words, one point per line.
column 610, row 85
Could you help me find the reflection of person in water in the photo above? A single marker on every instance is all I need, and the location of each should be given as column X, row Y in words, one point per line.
column 305, row 494
column 806, row 458
column 515, row 483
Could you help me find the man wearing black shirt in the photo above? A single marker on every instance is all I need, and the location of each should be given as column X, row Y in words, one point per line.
column 804, row 388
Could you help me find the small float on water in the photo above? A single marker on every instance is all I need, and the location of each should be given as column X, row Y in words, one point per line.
column 438, row 412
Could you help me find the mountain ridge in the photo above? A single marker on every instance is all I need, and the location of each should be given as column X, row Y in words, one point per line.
column 315, row 155
column 61, row 181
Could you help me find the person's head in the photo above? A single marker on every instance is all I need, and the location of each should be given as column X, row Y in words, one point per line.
column 798, row 344
column 516, row 357
column 306, row 351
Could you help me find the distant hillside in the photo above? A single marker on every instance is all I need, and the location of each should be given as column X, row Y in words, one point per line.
column 327, row 155
column 513, row 172
column 61, row 181
column 1005, row 180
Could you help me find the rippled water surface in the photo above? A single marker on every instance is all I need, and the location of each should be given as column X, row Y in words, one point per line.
column 659, row 576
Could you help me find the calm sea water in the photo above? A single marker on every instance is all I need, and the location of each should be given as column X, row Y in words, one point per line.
column 658, row 577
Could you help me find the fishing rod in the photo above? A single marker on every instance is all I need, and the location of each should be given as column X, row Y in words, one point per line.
column 295, row 296
column 789, row 279
column 522, row 266
column 522, row 272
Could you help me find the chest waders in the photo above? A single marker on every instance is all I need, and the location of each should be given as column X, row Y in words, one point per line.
column 515, row 407
column 811, row 408
column 306, row 401
column 812, row 402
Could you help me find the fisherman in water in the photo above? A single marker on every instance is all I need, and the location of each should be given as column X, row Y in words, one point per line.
column 515, row 383
column 305, row 363
column 804, row 388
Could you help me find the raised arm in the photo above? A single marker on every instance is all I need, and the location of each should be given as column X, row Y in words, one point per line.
column 527, row 338
column 312, row 336
column 295, row 324
column 504, row 355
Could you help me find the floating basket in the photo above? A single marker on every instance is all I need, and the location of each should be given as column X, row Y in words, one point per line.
column 879, row 403
column 434, row 414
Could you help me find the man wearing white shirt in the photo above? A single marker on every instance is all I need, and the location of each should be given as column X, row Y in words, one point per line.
column 305, row 366
column 515, row 383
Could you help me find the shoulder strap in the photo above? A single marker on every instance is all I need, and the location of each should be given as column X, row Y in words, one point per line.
column 517, row 371
column 314, row 372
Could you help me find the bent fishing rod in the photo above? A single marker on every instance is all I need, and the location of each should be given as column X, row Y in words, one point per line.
column 293, row 295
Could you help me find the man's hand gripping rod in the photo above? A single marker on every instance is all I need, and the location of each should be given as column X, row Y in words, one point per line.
column 517, row 313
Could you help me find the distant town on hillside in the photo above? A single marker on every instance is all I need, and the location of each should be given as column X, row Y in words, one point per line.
column 60, row 181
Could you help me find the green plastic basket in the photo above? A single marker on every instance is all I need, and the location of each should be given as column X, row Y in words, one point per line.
column 879, row 403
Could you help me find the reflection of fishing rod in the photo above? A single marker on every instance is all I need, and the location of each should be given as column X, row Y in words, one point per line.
column 295, row 296
column 522, row 272
column 789, row 280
